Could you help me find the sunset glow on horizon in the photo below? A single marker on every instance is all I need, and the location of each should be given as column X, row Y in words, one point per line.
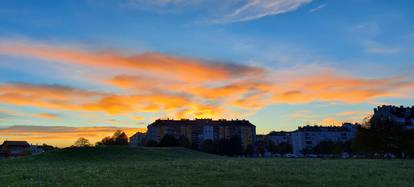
column 73, row 69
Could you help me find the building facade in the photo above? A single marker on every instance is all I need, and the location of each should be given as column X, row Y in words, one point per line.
column 308, row 137
column 15, row 148
column 278, row 137
column 199, row 130
column 138, row 139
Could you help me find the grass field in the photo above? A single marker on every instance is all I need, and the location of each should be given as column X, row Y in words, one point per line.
column 123, row 166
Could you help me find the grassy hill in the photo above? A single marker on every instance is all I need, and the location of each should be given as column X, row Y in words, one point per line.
column 124, row 166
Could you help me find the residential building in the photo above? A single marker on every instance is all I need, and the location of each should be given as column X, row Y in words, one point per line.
column 278, row 137
column 199, row 130
column 15, row 148
column 137, row 139
column 308, row 137
column 36, row 149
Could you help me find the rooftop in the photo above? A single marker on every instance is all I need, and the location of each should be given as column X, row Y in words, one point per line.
column 16, row 143
column 202, row 122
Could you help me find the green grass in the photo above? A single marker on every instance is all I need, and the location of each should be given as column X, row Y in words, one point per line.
column 123, row 166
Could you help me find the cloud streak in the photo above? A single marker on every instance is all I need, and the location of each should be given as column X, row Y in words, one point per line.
column 184, row 69
column 318, row 8
column 255, row 9
column 224, row 11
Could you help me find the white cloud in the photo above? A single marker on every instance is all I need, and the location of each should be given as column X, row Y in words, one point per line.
column 160, row 3
column 379, row 48
column 255, row 9
column 318, row 8
column 227, row 11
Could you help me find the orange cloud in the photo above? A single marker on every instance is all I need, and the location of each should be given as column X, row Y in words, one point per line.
column 47, row 115
column 45, row 96
column 60, row 135
column 115, row 104
column 186, row 69
column 186, row 87
column 330, row 87
column 65, row 98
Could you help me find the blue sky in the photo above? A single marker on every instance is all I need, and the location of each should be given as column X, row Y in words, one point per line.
column 278, row 63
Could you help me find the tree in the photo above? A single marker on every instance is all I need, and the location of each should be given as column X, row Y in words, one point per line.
column 47, row 147
column 383, row 136
column 208, row 146
column 120, row 138
column 184, row 142
column 271, row 147
column 82, row 142
column 324, row 147
column 249, row 151
column 261, row 147
column 106, row 141
column 222, row 147
column 168, row 141
column 151, row 143
column 235, row 146
column 284, row 148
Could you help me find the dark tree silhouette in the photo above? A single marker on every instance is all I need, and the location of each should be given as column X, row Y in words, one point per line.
column 284, row 148
column 249, row 151
column 168, row 141
column 118, row 138
column 325, row 147
column 47, row 147
column 208, row 146
column 261, row 147
column 222, row 147
column 151, row 143
column 383, row 135
column 184, row 142
column 235, row 146
column 82, row 142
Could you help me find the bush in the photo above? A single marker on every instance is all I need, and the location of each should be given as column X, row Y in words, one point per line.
column 284, row 148
column 208, row 146
column 184, row 142
column 249, row 151
column 168, row 141
column 151, row 143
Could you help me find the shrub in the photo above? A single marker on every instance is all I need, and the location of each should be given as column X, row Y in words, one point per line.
column 168, row 141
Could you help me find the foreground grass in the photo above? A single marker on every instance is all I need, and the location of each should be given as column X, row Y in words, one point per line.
column 123, row 166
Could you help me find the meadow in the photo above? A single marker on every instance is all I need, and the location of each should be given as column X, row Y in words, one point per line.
column 128, row 166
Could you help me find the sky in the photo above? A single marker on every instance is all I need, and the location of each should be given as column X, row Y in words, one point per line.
column 84, row 68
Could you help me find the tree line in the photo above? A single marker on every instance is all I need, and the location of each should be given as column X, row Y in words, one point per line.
column 118, row 138
column 383, row 136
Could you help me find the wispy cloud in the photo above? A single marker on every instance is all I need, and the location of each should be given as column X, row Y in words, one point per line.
column 185, row 69
column 379, row 48
column 318, row 8
column 222, row 12
column 255, row 9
